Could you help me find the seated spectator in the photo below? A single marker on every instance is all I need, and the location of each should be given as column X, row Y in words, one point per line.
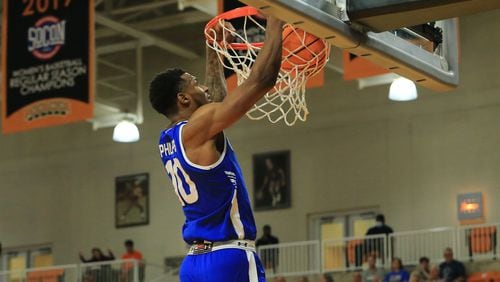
column 398, row 273
column 373, row 273
column 356, row 277
column 451, row 269
column 280, row 279
column 434, row 274
column 326, row 278
column 97, row 256
column 414, row 277
column 423, row 270
column 304, row 279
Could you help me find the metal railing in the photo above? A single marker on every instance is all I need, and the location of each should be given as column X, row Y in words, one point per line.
column 475, row 242
column 109, row 271
column 290, row 259
column 478, row 242
column 410, row 246
column 350, row 253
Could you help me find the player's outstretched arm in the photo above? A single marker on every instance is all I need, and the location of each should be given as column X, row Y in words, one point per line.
column 211, row 119
column 214, row 71
column 214, row 76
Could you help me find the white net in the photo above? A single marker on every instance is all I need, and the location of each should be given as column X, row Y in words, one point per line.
column 302, row 59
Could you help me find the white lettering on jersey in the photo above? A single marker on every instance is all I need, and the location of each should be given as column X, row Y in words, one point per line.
column 232, row 177
column 167, row 149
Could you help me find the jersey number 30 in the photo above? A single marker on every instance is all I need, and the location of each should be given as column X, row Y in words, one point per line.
column 175, row 170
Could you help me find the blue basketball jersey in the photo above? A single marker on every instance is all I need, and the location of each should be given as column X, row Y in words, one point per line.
column 214, row 198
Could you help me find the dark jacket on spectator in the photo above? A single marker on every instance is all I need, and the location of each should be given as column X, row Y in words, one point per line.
column 96, row 259
column 376, row 230
column 450, row 271
column 266, row 240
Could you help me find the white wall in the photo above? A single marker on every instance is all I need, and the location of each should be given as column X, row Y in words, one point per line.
column 357, row 149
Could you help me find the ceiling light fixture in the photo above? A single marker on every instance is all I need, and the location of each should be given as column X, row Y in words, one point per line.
column 126, row 132
column 402, row 90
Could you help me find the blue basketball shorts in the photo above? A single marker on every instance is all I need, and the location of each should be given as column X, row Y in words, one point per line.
column 226, row 265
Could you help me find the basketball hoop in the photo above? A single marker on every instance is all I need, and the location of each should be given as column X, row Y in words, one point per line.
column 303, row 57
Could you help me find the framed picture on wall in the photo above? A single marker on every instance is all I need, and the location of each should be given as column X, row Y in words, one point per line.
column 271, row 178
column 132, row 200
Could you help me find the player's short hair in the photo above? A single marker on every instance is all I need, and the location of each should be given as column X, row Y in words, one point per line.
column 163, row 91
column 129, row 243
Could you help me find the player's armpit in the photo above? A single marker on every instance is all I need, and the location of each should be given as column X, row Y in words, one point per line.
column 211, row 119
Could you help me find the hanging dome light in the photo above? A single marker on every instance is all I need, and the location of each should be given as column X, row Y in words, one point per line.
column 126, row 132
column 402, row 90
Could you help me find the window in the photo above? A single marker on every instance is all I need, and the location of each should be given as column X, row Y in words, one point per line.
column 332, row 228
column 26, row 257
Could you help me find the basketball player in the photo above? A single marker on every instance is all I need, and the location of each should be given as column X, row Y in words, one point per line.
column 202, row 165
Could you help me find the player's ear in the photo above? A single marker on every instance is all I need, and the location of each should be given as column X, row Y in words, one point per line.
column 183, row 98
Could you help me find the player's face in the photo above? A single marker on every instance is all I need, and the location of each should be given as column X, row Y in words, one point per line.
column 197, row 91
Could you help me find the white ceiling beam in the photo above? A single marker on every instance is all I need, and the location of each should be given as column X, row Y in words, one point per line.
column 116, row 66
column 185, row 18
column 141, row 7
column 118, row 47
column 145, row 37
column 207, row 6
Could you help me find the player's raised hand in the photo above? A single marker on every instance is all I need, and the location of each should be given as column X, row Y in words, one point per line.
column 223, row 32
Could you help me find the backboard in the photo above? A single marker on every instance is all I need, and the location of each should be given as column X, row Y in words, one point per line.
column 427, row 53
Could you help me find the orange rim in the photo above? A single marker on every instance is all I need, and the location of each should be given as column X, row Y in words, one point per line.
column 230, row 15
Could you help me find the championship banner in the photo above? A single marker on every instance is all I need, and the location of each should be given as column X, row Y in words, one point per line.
column 231, row 80
column 48, row 63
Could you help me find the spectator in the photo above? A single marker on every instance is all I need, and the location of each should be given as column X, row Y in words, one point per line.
column 304, row 279
column 414, row 277
column 434, row 274
column 326, row 278
column 423, row 270
column 132, row 253
column 398, row 273
column 373, row 273
column 356, row 277
column 377, row 245
column 269, row 257
column 451, row 269
column 267, row 238
column 97, row 256
column 101, row 273
column 280, row 279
